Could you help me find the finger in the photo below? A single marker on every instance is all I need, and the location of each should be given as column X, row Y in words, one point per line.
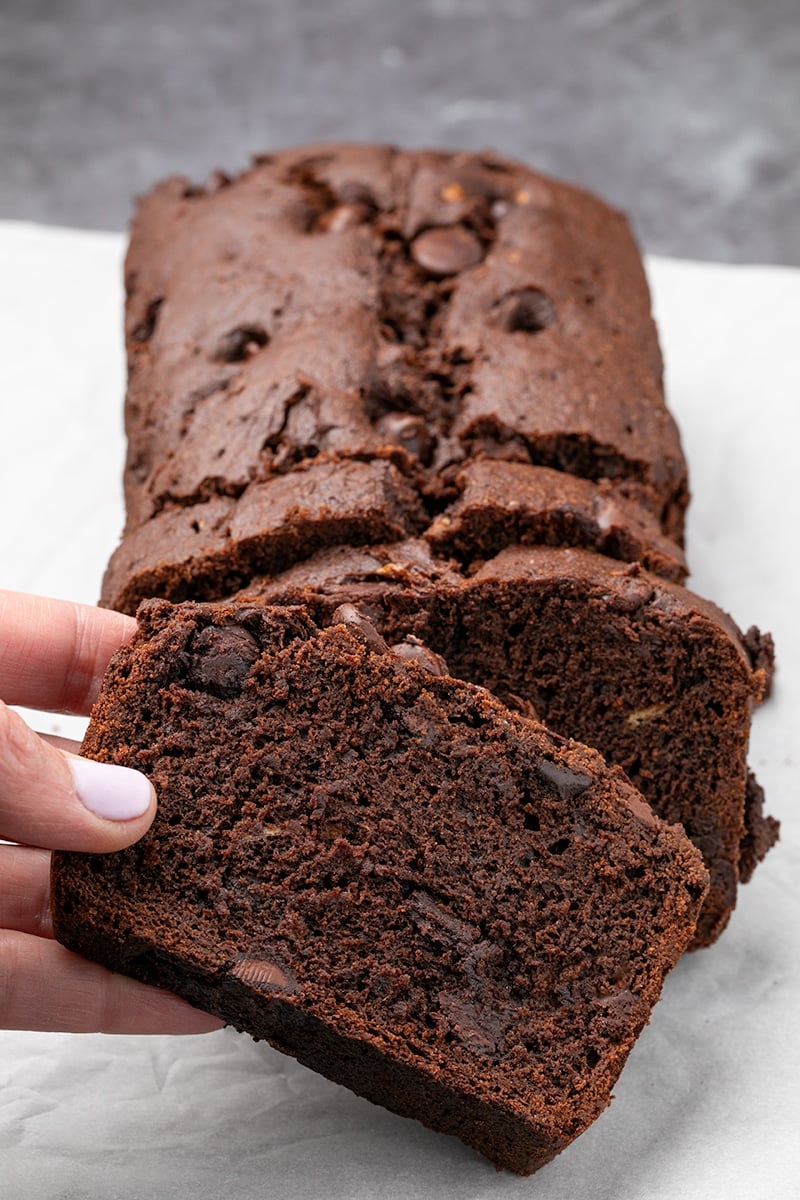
column 43, row 986
column 54, row 653
column 25, row 890
column 61, row 743
column 64, row 802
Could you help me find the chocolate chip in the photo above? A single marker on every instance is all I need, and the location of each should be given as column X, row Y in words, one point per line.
column 349, row 616
column 409, row 431
column 241, row 343
column 642, row 811
column 146, row 327
column 416, row 651
column 446, row 250
column 631, row 594
column 208, row 389
column 264, row 975
column 527, row 310
column 221, row 659
column 476, row 1025
column 568, row 783
column 343, row 216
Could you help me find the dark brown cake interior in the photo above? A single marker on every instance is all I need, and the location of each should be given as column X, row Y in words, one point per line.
column 383, row 871
column 652, row 676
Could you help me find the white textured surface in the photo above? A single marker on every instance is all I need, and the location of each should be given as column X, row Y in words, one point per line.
column 708, row 1105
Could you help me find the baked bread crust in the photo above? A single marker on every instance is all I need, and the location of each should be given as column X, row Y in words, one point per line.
column 359, row 303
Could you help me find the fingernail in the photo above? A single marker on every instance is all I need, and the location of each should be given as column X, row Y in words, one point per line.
column 117, row 793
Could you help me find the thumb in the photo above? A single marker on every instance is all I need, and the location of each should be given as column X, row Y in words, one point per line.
column 64, row 802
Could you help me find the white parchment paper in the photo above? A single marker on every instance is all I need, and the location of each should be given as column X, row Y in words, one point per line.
column 709, row 1104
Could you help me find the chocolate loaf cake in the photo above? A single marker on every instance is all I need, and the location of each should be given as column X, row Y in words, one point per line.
column 363, row 304
column 382, row 871
column 430, row 383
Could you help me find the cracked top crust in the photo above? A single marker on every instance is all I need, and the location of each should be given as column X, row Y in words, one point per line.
column 422, row 309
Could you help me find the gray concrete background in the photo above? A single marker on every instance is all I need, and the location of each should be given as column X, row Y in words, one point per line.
column 686, row 113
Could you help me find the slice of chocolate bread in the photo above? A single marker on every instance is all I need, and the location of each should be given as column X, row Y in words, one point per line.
column 208, row 549
column 660, row 681
column 382, row 871
column 503, row 504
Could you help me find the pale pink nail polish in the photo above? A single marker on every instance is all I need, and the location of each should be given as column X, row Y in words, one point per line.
column 116, row 793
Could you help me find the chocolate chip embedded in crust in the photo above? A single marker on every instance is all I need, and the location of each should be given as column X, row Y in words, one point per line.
column 527, row 310
column 241, row 343
column 146, row 327
column 343, row 216
column 631, row 594
column 568, row 783
column 477, row 1026
column 642, row 811
column 360, row 627
column 409, row 431
column 221, row 659
column 446, row 250
column 416, row 651
column 264, row 975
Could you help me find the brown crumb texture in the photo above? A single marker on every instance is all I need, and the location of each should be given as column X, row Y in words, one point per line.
column 381, row 870
column 654, row 677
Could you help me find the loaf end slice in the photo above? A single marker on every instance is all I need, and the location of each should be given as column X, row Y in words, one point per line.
column 382, row 871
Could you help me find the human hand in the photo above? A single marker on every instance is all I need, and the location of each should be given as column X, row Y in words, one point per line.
column 52, row 657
